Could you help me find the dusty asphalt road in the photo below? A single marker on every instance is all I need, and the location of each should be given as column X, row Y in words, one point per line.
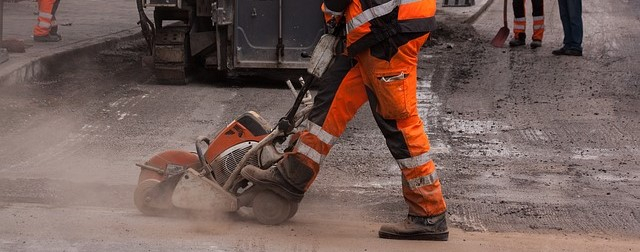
column 536, row 152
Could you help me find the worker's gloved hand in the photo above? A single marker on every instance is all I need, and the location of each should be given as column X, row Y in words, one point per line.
column 334, row 25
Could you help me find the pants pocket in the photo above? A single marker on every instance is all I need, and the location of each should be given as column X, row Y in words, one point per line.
column 391, row 90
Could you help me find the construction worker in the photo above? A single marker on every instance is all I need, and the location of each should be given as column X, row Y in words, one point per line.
column 379, row 65
column 46, row 30
column 520, row 23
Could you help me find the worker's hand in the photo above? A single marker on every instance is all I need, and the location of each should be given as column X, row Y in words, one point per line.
column 335, row 26
column 332, row 24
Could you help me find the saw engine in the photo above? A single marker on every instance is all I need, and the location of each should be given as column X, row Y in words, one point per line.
column 233, row 142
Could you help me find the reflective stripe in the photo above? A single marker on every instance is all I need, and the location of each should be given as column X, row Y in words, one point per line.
column 423, row 181
column 538, row 18
column 309, row 152
column 518, row 27
column 375, row 12
column 413, row 162
column 522, row 19
column 324, row 136
column 45, row 15
column 538, row 27
column 44, row 24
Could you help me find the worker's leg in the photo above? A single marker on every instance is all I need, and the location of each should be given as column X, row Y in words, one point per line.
column 391, row 86
column 574, row 11
column 538, row 19
column 341, row 93
column 54, row 23
column 45, row 17
column 563, row 8
column 519, row 20
column 392, row 90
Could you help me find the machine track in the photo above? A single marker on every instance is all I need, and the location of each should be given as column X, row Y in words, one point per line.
column 171, row 55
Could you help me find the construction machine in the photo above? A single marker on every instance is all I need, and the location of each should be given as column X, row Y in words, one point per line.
column 229, row 36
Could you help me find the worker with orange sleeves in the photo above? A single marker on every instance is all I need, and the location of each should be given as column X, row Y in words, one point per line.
column 46, row 30
column 520, row 23
column 379, row 65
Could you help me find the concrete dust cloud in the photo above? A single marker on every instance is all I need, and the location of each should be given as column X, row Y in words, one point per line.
column 531, row 149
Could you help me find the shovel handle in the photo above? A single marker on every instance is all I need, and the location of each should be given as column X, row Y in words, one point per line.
column 504, row 13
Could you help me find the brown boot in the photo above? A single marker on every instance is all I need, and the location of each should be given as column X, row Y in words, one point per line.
column 535, row 44
column 417, row 228
column 272, row 179
column 518, row 40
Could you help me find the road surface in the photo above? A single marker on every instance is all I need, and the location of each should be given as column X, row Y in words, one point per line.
column 535, row 152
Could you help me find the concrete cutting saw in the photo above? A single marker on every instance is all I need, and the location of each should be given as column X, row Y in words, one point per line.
column 209, row 179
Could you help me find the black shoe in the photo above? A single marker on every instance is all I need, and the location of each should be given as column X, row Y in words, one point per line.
column 47, row 38
column 272, row 180
column 573, row 52
column 417, row 228
column 559, row 51
column 518, row 40
column 535, row 44
column 567, row 51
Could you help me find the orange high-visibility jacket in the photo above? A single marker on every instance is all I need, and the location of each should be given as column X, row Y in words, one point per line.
column 371, row 21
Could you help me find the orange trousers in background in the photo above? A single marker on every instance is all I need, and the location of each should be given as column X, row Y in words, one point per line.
column 46, row 17
column 520, row 22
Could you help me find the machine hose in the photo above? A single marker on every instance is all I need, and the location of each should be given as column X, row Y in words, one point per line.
column 148, row 29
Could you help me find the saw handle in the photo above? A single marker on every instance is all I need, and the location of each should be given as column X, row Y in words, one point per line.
column 200, row 153
column 287, row 123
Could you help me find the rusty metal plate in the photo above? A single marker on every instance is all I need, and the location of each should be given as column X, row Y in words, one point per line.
column 168, row 54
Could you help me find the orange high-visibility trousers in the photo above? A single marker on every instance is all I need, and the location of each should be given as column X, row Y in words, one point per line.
column 520, row 22
column 390, row 87
column 46, row 17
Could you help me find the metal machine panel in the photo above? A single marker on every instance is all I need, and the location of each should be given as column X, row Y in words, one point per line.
column 257, row 29
column 197, row 192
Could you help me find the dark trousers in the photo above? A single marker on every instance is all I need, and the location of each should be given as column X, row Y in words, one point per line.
column 571, row 16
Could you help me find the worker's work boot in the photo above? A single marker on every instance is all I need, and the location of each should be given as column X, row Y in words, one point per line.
column 272, row 180
column 47, row 38
column 535, row 44
column 54, row 32
column 417, row 228
column 518, row 40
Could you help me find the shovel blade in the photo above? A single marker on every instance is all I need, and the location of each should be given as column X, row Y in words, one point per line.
column 501, row 37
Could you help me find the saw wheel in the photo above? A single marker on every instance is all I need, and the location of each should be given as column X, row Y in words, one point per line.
column 272, row 209
column 148, row 203
column 171, row 55
column 293, row 210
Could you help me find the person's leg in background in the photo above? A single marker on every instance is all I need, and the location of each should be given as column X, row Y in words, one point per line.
column 54, row 23
column 519, row 24
column 42, row 30
column 538, row 23
column 574, row 11
column 572, row 42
